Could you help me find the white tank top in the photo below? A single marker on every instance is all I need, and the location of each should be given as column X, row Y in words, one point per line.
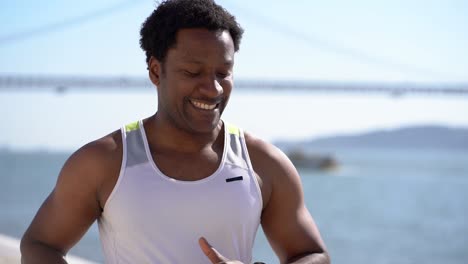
column 152, row 218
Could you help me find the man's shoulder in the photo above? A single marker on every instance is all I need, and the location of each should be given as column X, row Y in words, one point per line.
column 101, row 152
column 262, row 149
column 273, row 167
column 104, row 145
column 92, row 166
column 267, row 159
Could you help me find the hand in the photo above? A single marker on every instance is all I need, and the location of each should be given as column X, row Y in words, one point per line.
column 214, row 256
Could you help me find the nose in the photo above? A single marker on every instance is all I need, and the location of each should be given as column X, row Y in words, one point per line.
column 211, row 87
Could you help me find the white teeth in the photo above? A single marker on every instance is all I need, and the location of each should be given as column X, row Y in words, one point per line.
column 204, row 106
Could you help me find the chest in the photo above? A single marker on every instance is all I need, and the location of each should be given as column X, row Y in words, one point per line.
column 150, row 201
column 188, row 167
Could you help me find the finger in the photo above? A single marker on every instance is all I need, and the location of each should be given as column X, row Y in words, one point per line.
column 213, row 255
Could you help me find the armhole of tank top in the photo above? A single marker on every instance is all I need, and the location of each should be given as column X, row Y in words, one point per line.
column 122, row 168
column 249, row 165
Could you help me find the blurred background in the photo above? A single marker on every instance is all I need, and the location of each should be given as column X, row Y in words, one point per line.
column 368, row 98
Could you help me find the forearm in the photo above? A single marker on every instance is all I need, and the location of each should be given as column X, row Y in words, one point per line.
column 315, row 258
column 38, row 253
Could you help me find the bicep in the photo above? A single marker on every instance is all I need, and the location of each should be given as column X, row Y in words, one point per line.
column 70, row 208
column 286, row 221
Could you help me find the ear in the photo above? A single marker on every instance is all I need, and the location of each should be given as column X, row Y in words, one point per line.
column 154, row 70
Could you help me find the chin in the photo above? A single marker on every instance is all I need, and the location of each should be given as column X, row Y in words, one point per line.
column 204, row 127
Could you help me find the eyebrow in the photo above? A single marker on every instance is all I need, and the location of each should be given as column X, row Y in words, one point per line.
column 188, row 58
column 195, row 61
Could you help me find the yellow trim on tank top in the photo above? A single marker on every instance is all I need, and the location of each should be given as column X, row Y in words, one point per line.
column 232, row 129
column 131, row 126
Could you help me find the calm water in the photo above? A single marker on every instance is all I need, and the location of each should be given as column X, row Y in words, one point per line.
column 392, row 206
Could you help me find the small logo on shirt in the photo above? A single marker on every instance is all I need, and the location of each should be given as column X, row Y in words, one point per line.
column 238, row 178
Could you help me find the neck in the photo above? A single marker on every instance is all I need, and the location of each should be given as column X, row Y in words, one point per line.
column 163, row 134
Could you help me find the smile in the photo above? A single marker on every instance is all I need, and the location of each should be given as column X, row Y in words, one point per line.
column 203, row 106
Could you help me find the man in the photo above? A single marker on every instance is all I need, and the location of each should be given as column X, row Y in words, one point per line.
column 181, row 186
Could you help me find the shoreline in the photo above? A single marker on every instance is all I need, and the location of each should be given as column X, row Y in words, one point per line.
column 10, row 252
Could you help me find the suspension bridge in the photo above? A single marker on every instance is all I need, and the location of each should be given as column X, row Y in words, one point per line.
column 61, row 84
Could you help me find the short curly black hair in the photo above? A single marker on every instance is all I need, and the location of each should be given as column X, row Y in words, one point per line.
column 158, row 32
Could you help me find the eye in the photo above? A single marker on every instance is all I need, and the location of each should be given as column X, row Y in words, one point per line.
column 191, row 74
column 222, row 74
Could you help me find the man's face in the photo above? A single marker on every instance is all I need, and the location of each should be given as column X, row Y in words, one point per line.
column 197, row 79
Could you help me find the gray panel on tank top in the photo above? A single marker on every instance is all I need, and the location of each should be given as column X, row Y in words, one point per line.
column 244, row 154
column 136, row 153
column 236, row 154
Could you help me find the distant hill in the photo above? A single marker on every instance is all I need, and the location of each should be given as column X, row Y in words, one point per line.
column 420, row 137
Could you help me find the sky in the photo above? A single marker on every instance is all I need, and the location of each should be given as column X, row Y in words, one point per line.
column 348, row 41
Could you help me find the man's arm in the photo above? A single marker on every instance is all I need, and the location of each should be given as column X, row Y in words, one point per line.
column 69, row 210
column 287, row 223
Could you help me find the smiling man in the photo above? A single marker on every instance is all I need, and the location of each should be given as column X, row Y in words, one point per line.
column 181, row 186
